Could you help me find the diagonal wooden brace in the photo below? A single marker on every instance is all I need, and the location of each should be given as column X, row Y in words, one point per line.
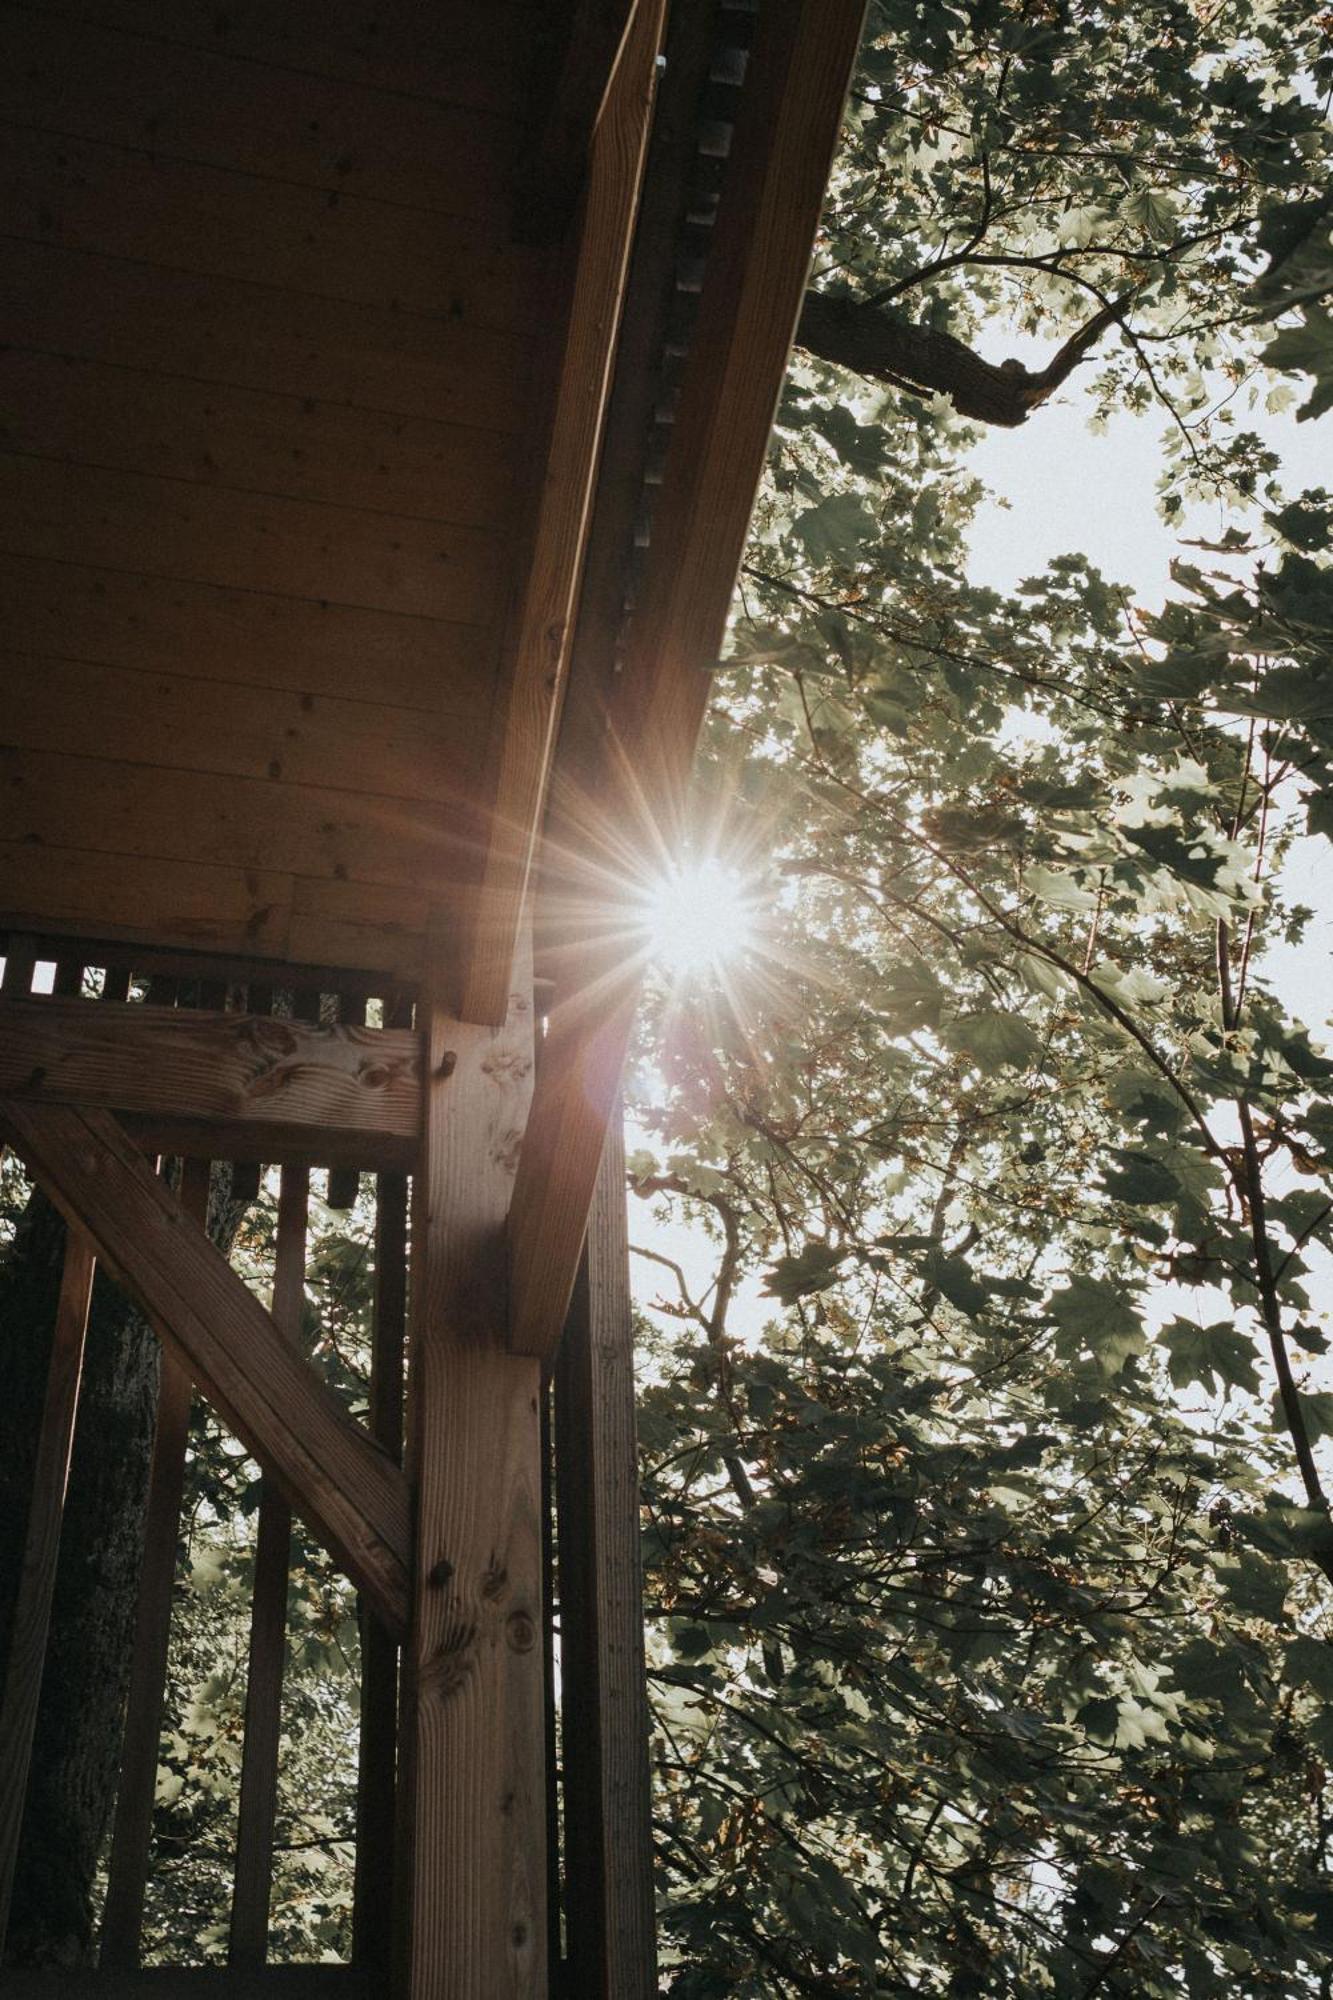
column 347, row 1490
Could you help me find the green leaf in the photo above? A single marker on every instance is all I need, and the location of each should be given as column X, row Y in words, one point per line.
column 813, row 1269
column 996, row 1041
column 1095, row 1315
column 1210, row 1354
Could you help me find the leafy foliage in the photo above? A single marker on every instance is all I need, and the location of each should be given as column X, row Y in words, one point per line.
column 987, row 1531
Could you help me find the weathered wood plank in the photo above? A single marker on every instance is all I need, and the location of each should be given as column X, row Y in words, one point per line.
column 377, row 1748
column 250, row 541
column 131, row 203
column 71, row 707
column 609, row 1922
column 131, row 1840
column 278, row 1982
column 168, row 425
column 347, row 1490
column 242, row 638
column 37, row 1576
column 343, row 1091
column 89, row 82
column 248, row 1941
column 455, row 55
column 556, row 162
column 369, row 356
column 472, row 1786
column 192, row 905
column 538, row 645
column 259, row 825
column 628, row 792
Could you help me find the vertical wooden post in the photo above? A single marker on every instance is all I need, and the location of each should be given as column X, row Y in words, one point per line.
column 608, row 1826
column 473, row 1782
column 248, row 1941
column 32, row 1612
column 377, row 1751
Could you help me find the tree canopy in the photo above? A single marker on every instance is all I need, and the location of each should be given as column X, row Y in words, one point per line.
column 990, row 1577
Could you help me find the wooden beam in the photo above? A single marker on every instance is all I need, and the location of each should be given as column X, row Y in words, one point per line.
column 472, row 1791
column 347, row 1490
column 618, row 800
column 274, row 1982
column 37, row 1577
column 228, row 1086
column 609, row 1927
column 538, row 646
column 571, row 111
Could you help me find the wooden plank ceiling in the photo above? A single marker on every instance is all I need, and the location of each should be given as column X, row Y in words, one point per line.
column 269, row 361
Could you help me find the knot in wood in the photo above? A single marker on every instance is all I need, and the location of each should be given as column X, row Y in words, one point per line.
column 520, row 1632
column 447, row 1064
column 442, row 1572
column 495, row 1581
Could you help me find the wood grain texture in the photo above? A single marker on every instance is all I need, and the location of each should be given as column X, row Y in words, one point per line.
column 258, row 825
column 451, row 55
column 241, row 638
column 37, row 1575
column 279, row 1982
column 90, row 82
column 337, row 1091
column 372, row 356
column 167, row 424
column 472, row 1789
column 194, row 906
column 571, row 107
column 248, row 1939
column 251, row 541
column 130, row 202
column 127, row 1873
column 609, row 1921
column 537, row 650
column 628, row 794
column 344, row 1487
column 73, row 707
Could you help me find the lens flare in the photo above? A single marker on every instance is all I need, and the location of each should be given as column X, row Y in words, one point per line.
column 699, row 919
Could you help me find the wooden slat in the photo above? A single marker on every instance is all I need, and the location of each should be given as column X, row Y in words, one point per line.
column 251, row 824
column 345, row 1182
column 179, row 724
column 608, row 1808
column 279, row 1982
column 571, row 107
column 377, row 1746
column 458, row 55
column 248, row 1944
column 188, row 904
column 240, row 638
column 136, row 90
column 626, row 797
column 372, row 356
column 138, row 420
column 336, row 1092
column 37, row 1576
column 348, row 1491
column 472, row 1785
column 252, row 541
column 20, row 962
column 539, row 646
column 127, row 1876
column 131, row 203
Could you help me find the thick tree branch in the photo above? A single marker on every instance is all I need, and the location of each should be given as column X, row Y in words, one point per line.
column 870, row 340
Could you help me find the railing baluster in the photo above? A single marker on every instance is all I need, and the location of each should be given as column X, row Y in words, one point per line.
column 248, row 1941
column 377, row 1754
column 32, row 1611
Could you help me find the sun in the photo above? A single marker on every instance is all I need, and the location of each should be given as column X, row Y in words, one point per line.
column 698, row 919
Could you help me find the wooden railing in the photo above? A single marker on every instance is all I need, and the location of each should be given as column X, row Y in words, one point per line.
column 193, row 1061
